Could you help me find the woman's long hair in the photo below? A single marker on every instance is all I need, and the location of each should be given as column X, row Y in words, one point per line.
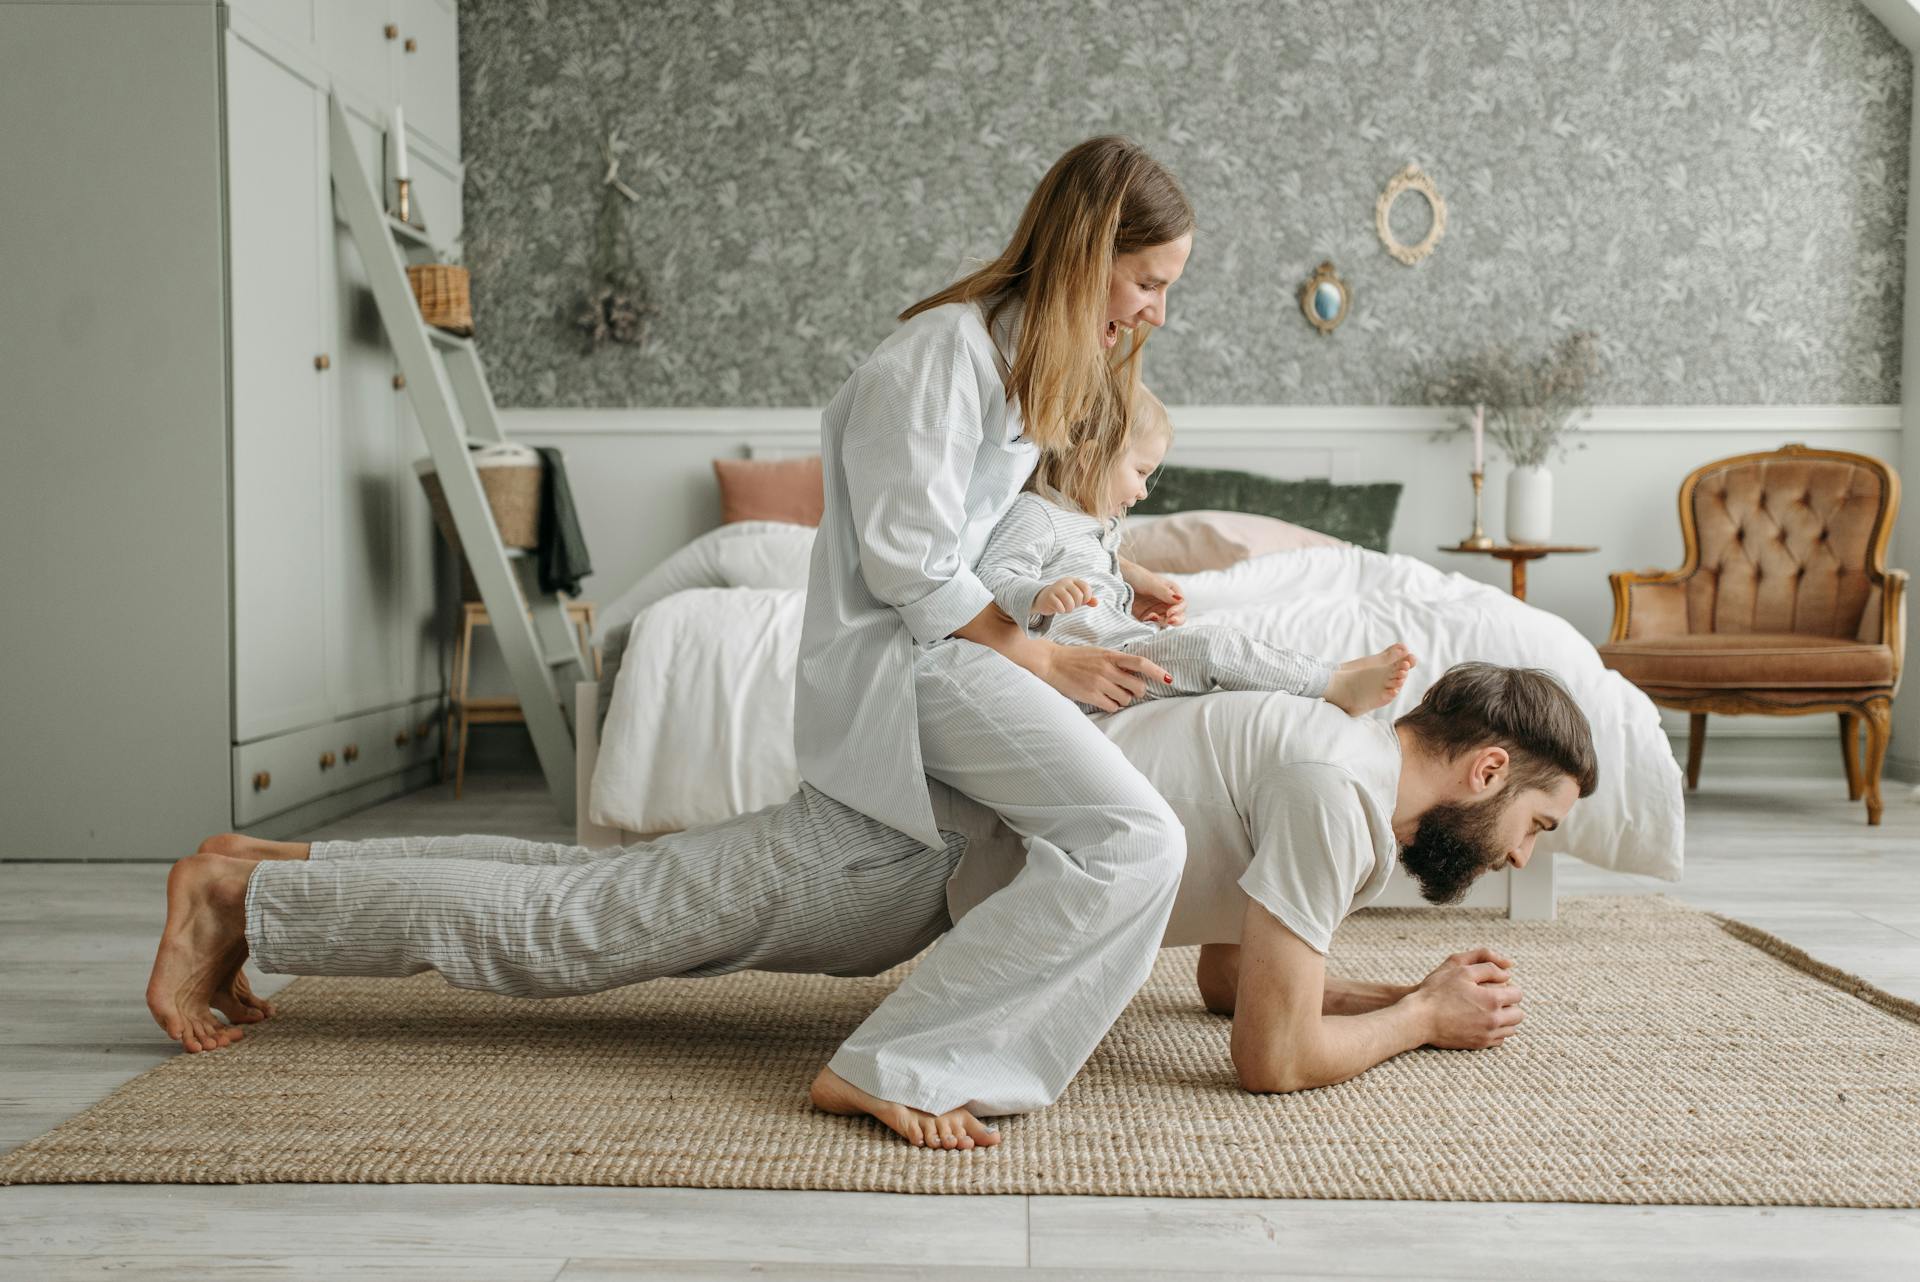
column 1104, row 198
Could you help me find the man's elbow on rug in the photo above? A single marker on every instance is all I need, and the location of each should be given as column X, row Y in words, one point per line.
column 1217, row 974
column 1273, row 1070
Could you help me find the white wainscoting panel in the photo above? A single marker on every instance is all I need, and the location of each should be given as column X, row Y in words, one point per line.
column 643, row 480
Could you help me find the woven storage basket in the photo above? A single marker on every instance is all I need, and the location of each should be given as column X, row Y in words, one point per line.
column 514, row 495
column 444, row 301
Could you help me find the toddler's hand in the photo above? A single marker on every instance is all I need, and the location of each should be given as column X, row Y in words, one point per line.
column 1064, row 595
column 1156, row 598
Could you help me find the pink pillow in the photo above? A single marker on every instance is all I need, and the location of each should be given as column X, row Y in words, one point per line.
column 788, row 489
column 1188, row 542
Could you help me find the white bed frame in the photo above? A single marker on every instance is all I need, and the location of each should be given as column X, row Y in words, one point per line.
column 1526, row 894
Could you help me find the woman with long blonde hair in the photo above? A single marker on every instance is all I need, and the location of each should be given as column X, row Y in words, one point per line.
column 908, row 669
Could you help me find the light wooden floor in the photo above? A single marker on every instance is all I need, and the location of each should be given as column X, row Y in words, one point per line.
column 1771, row 840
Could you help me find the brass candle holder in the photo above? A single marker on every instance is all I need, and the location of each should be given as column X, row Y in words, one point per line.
column 403, row 203
column 1479, row 538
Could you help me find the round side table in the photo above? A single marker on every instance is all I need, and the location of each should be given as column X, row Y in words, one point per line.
column 1518, row 555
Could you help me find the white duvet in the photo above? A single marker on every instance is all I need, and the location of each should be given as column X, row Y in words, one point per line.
column 700, row 726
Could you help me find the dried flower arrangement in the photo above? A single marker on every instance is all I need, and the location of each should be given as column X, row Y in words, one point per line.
column 1531, row 405
column 617, row 304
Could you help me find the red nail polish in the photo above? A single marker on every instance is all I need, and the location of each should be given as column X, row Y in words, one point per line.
column 1169, row 680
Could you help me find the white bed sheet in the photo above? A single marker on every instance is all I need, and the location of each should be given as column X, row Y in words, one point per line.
column 700, row 724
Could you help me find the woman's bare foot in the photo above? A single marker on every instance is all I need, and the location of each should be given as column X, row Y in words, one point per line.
column 201, row 951
column 833, row 1093
column 1361, row 685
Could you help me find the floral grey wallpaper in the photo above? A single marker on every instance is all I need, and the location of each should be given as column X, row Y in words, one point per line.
column 1718, row 187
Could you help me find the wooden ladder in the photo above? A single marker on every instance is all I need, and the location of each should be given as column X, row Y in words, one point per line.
column 448, row 388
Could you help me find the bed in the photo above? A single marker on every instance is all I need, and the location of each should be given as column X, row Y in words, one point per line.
column 694, row 720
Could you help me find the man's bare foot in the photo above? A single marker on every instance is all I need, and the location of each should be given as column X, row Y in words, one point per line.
column 1361, row 685
column 201, row 950
column 240, row 846
column 234, row 997
column 833, row 1093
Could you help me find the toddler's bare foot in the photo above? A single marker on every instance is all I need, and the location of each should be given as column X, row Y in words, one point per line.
column 1361, row 685
column 833, row 1093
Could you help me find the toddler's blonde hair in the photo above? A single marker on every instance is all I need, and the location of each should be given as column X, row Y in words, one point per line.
column 1077, row 475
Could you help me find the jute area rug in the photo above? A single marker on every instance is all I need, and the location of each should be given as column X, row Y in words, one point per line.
column 1667, row 1058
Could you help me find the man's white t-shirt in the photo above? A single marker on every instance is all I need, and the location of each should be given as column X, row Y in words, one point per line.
column 1285, row 800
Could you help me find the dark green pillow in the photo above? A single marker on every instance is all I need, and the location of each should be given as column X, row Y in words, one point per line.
column 1360, row 514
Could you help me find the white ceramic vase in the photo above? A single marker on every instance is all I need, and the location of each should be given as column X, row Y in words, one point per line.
column 1529, row 505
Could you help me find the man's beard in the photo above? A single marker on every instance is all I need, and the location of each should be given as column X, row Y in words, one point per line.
column 1453, row 845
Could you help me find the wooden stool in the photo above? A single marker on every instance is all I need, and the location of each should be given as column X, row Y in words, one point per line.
column 494, row 709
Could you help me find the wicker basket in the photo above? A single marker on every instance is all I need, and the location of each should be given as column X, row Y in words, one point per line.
column 514, row 495
column 444, row 300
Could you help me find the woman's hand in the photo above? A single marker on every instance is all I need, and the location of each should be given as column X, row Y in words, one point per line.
column 1105, row 679
column 1063, row 596
column 1156, row 598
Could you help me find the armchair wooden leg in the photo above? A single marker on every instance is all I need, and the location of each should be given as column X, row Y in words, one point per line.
column 1696, row 745
column 1850, row 752
column 1879, row 716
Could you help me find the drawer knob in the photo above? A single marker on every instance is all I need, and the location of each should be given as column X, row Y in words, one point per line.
column 323, row 361
column 411, row 45
column 399, row 382
column 400, row 740
column 326, row 760
column 393, row 32
column 422, row 728
column 352, row 752
column 262, row 781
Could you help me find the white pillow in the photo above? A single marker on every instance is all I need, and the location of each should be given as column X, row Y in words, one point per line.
column 745, row 554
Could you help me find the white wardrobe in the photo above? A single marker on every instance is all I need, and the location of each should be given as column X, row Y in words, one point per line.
column 227, row 606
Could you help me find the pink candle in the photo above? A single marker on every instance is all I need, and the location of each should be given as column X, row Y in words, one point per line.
column 1479, row 438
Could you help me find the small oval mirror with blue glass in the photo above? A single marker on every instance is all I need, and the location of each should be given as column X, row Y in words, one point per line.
column 1324, row 299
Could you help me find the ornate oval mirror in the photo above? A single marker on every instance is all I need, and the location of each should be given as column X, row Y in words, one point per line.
column 1324, row 299
column 1409, row 179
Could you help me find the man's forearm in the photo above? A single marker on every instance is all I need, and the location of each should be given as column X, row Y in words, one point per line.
column 1218, row 974
column 1339, row 1047
column 1357, row 997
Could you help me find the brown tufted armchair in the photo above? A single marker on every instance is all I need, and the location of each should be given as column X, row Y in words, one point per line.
column 1784, row 606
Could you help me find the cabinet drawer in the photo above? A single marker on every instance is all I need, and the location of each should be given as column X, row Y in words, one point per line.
column 289, row 770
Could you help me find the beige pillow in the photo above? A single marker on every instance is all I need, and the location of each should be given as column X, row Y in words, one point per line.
column 1188, row 542
column 788, row 489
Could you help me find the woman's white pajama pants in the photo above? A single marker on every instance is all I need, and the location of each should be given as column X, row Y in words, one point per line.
column 1011, row 1001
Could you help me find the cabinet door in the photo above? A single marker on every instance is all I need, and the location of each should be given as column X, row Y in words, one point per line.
column 364, row 579
column 357, row 50
column 277, row 200
column 429, row 73
column 291, row 20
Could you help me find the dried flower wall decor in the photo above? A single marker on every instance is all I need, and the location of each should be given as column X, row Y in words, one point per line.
column 617, row 304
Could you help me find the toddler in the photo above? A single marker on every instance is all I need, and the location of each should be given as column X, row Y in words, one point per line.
column 1055, row 566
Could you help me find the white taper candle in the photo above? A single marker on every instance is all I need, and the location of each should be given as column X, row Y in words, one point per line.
column 400, row 145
